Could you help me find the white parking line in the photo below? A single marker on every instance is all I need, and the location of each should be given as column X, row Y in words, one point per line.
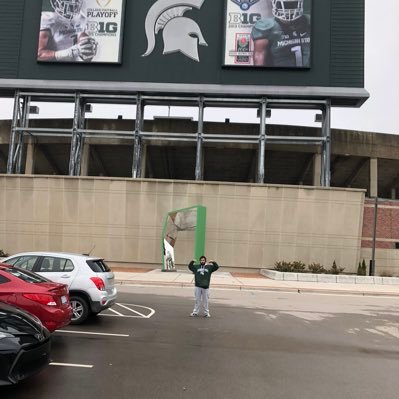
column 117, row 313
column 91, row 333
column 85, row 366
column 127, row 307
column 133, row 311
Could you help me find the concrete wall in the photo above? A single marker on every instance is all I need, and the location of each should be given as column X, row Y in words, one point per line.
column 247, row 225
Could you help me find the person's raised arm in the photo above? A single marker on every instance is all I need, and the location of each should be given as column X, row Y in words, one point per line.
column 191, row 266
column 42, row 53
column 260, row 51
column 215, row 266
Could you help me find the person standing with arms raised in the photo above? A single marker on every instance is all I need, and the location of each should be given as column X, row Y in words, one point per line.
column 202, row 273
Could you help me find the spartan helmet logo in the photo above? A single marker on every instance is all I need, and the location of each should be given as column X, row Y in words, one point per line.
column 179, row 33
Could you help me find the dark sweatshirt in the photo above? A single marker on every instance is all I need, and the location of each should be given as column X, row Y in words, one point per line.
column 203, row 273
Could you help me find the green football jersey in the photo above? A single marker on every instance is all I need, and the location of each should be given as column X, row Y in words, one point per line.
column 289, row 43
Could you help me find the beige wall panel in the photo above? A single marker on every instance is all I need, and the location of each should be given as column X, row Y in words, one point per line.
column 225, row 255
column 247, row 225
column 386, row 260
column 85, row 203
column 257, row 215
column 240, row 254
column 271, row 254
column 133, row 204
column 255, row 257
column 211, row 251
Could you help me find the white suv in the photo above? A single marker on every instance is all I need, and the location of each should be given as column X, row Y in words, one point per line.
column 89, row 279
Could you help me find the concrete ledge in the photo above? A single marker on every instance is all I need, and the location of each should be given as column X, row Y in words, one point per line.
column 390, row 280
column 328, row 278
column 378, row 280
column 274, row 275
column 307, row 277
column 290, row 276
column 368, row 280
column 346, row 279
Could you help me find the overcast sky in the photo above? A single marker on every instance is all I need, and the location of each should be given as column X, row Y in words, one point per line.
column 380, row 113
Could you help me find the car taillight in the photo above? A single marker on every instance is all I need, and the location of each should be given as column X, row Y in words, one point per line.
column 43, row 299
column 98, row 282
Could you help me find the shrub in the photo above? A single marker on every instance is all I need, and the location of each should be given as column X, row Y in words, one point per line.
column 282, row 266
column 335, row 269
column 359, row 270
column 364, row 268
column 298, row 266
column 316, row 268
column 3, row 254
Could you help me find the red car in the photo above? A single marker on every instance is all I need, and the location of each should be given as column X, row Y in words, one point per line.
column 46, row 300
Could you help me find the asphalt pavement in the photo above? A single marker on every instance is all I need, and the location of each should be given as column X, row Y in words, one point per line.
column 248, row 281
column 256, row 345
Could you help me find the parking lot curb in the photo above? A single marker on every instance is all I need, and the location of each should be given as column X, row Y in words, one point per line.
column 242, row 287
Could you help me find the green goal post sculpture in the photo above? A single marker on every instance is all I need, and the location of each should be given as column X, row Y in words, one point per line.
column 186, row 219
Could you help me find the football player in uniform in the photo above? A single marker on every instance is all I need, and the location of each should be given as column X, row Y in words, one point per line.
column 63, row 34
column 284, row 39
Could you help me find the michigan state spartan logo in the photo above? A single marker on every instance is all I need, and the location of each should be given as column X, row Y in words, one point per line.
column 180, row 34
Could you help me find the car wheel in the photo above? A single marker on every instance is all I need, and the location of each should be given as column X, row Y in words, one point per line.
column 80, row 309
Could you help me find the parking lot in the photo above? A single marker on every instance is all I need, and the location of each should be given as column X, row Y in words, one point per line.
column 285, row 345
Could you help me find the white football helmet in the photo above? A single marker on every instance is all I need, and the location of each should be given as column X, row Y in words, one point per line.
column 287, row 10
column 67, row 8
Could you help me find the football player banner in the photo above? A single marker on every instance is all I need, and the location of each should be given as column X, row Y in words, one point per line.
column 268, row 33
column 81, row 31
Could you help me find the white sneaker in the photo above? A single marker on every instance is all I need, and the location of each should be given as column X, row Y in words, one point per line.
column 193, row 314
column 207, row 315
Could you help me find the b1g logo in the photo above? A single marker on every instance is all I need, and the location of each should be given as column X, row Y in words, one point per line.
column 102, row 27
column 245, row 5
column 243, row 18
column 180, row 34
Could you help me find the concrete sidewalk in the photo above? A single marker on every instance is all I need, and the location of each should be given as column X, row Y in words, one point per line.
column 247, row 281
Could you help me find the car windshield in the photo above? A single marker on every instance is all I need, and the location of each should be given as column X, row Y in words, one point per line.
column 98, row 266
column 26, row 276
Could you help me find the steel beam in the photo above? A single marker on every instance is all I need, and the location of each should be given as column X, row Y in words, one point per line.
column 138, row 141
column 78, row 133
column 25, row 124
column 326, row 148
column 13, row 138
column 77, row 137
column 199, row 167
column 262, row 143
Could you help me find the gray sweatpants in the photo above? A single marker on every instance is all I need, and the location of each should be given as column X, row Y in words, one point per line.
column 201, row 298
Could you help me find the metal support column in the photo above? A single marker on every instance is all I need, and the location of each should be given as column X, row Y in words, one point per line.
column 13, row 137
column 77, row 137
column 81, row 137
column 138, row 142
column 199, row 167
column 326, row 148
column 262, row 143
column 24, row 124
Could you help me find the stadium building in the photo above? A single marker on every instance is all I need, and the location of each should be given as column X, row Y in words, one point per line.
column 271, row 192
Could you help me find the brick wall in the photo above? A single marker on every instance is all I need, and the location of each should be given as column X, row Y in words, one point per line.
column 387, row 224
